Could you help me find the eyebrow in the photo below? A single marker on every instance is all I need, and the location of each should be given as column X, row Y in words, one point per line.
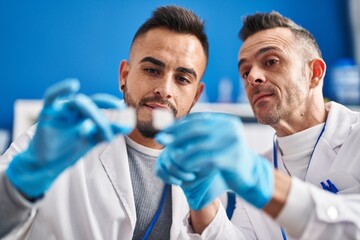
column 162, row 65
column 154, row 61
column 187, row 70
column 260, row 51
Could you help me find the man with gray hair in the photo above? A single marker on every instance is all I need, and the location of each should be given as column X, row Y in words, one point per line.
column 309, row 183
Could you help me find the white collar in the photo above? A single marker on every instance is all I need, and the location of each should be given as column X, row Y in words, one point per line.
column 300, row 141
column 145, row 150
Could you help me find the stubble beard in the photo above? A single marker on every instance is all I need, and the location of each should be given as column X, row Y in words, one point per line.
column 283, row 109
column 145, row 128
column 273, row 116
column 278, row 110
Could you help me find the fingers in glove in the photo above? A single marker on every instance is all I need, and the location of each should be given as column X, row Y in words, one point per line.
column 170, row 172
column 61, row 89
column 162, row 173
column 195, row 159
column 107, row 101
column 207, row 142
column 87, row 109
column 118, row 129
column 126, row 119
column 200, row 125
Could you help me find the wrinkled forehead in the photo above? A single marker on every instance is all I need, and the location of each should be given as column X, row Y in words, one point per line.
column 276, row 38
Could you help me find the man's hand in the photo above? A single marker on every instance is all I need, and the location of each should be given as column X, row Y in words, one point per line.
column 206, row 155
column 69, row 125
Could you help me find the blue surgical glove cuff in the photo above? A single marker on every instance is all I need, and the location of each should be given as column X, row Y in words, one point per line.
column 203, row 191
column 31, row 181
column 260, row 182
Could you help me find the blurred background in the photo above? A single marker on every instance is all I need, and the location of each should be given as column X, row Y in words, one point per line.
column 43, row 42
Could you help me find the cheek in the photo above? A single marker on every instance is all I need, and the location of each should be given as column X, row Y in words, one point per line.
column 133, row 91
column 249, row 91
column 136, row 85
column 184, row 102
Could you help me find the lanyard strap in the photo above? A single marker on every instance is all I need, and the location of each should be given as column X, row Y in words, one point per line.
column 276, row 163
column 275, row 159
column 158, row 212
column 231, row 204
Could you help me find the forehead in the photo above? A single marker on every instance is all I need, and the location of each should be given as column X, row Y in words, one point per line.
column 172, row 48
column 281, row 39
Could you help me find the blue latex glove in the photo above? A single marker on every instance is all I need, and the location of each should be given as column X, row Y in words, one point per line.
column 206, row 155
column 69, row 125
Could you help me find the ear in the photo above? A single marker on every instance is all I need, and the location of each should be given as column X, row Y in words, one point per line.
column 123, row 74
column 318, row 69
column 198, row 93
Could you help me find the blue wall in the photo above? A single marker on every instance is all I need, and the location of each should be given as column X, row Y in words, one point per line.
column 43, row 42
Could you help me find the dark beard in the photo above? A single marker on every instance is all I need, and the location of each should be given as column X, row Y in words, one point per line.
column 146, row 129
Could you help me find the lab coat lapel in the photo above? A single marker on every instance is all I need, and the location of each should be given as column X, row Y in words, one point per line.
column 115, row 162
column 338, row 126
column 339, row 123
column 180, row 208
column 321, row 162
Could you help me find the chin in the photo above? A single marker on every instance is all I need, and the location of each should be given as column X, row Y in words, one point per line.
column 267, row 119
column 146, row 129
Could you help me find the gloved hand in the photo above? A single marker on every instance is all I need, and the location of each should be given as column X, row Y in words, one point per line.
column 69, row 125
column 206, row 154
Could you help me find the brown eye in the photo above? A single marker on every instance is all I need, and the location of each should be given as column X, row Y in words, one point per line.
column 152, row 71
column 182, row 80
column 271, row 62
column 245, row 75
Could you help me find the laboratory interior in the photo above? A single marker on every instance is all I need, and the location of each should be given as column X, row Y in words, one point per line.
column 87, row 173
column 44, row 42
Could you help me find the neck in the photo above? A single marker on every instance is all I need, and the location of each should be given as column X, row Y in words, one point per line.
column 147, row 142
column 300, row 120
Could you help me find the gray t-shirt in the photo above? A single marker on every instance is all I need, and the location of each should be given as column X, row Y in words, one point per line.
column 148, row 191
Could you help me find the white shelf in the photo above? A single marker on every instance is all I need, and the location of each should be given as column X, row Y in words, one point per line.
column 26, row 112
column 240, row 109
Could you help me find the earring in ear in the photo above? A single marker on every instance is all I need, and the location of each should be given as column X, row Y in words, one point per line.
column 122, row 87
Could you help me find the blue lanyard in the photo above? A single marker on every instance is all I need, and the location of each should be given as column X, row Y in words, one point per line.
column 158, row 212
column 275, row 152
column 276, row 162
column 231, row 204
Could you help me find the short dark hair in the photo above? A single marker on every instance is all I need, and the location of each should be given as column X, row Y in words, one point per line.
column 263, row 21
column 176, row 19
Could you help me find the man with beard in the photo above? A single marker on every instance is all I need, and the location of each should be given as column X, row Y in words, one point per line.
column 112, row 192
column 309, row 183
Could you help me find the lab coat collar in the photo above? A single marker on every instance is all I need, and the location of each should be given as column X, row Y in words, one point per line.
column 115, row 162
column 339, row 123
column 180, row 208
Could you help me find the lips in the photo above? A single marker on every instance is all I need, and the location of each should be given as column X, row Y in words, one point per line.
column 258, row 97
column 157, row 102
column 155, row 105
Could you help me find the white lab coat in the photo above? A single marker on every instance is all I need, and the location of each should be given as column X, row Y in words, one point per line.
column 94, row 200
column 325, row 215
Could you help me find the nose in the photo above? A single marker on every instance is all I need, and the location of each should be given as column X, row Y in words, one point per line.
column 256, row 76
column 164, row 87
